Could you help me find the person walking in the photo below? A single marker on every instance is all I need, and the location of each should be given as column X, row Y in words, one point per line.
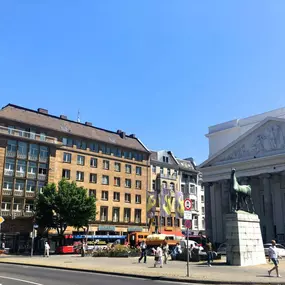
column 143, row 249
column 47, row 248
column 158, row 256
column 209, row 251
column 273, row 255
column 165, row 250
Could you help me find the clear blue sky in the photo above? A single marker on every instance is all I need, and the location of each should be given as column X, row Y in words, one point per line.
column 164, row 70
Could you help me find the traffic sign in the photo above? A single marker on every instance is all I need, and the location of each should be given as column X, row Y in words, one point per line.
column 36, row 226
column 188, row 224
column 1, row 220
column 187, row 204
column 187, row 215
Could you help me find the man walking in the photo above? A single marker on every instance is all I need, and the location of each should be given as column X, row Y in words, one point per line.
column 273, row 255
column 143, row 252
column 47, row 248
column 209, row 250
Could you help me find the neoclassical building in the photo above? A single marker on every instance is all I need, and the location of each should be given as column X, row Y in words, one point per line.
column 255, row 147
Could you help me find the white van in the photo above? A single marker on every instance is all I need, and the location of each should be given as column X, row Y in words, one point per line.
column 183, row 244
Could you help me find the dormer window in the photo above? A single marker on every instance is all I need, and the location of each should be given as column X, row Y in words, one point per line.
column 165, row 159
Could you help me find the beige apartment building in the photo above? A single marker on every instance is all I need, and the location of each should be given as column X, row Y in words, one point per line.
column 37, row 148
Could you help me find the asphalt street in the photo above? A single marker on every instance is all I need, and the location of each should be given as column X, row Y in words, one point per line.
column 25, row 275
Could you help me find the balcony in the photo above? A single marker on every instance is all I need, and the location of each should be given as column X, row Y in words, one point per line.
column 10, row 153
column 18, row 193
column 30, row 194
column 43, row 159
column 5, row 213
column 28, row 135
column 168, row 176
column 28, row 214
column 8, row 172
column 32, row 175
column 7, row 192
column 21, row 155
column 20, row 174
column 33, row 157
column 42, row 177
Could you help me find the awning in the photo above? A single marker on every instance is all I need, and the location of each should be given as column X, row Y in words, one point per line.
column 174, row 233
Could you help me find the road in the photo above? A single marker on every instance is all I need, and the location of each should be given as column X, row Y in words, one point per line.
column 29, row 275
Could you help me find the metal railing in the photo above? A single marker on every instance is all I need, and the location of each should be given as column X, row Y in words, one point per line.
column 168, row 176
column 28, row 135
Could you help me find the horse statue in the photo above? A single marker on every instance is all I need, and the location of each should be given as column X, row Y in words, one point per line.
column 240, row 194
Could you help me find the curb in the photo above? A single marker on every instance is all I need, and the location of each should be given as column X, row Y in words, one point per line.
column 149, row 277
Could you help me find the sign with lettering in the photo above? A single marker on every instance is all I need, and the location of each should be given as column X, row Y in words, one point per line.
column 107, row 228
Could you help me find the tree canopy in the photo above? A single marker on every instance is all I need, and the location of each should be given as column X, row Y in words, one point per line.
column 64, row 205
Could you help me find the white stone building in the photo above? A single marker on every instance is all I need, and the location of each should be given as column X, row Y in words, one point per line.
column 255, row 147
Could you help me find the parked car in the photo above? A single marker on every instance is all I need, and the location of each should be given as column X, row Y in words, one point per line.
column 222, row 249
column 280, row 249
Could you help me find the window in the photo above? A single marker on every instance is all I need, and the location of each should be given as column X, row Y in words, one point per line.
column 103, row 214
column 19, row 185
column 6, row 205
column 18, row 206
column 21, row 168
column 164, row 185
column 138, row 184
column 29, row 206
column 165, row 159
column 41, row 186
column 117, row 181
column 177, row 222
column 202, row 198
column 128, row 183
column 22, row 150
column 66, row 157
column 105, row 180
column 172, row 186
column 203, row 222
column 80, row 176
column 128, row 168
column 10, row 164
column 93, row 178
column 105, row 195
column 43, row 169
column 117, row 196
column 80, row 160
column 127, row 198
column 67, row 141
column 8, row 184
column 108, row 150
column 32, row 168
column 31, row 186
column 138, row 170
column 106, row 164
column 161, row 170
column 94, row 147
column 117, row 152
column 183, row 189
column 203, row 210
column 138, row 216
column 11, row 130
column 33, row 152
column 138, row 199
column 66, row 173
column 169, row 221
column 117, row 166
column 92, row 193
column 194, row 204
column 153, row 169
column 127, row 215
column 43, row 153
column 153, row 184
column 93, row 162
column 116, row 215
column 192, row 189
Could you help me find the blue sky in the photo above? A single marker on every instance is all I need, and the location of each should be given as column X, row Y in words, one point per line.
column 164, row 70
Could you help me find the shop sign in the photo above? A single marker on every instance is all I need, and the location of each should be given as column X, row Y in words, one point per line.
column 107, row 228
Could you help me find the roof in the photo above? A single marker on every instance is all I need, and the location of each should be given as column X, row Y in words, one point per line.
column 186, row 164
column 51, row 122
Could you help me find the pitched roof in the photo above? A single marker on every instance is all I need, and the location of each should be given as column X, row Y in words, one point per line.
column 34, row 118
column 186, row 164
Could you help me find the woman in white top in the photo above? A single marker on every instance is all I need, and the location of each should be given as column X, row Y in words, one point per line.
column 273, row 255
column 158, row 256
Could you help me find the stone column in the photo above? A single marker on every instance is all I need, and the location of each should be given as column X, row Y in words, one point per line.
column 268, row 208
column 208, row 209
column 225, row 198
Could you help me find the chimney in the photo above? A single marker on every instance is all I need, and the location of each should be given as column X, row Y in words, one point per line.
column 133, row 136
column 63, row 117
column 88, row 124
column 43, row 111
column 119, row 131
column 123, row 135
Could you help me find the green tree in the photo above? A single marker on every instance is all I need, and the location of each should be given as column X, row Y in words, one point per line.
column 65, row 205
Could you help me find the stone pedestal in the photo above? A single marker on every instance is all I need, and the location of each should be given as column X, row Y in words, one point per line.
column 244, row 240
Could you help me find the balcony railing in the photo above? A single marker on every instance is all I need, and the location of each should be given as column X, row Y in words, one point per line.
column 168, row 176
column 10, row 153
column 7, row 192
column 6, row 213
column 8, row 172
column 21, row 155
column 42, row 177
column 33, row 157
column 28, row 214
column 30, row 194
column 28, row 135
column 19, row 193
column 20, row 174
column 31, row 175
column 43, row 159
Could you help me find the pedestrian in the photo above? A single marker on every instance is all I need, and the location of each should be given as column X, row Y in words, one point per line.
column 165, row 250
column 143, row 249
column 47, row 248
column 273, row 255
column 158, row 256
column 209, row 251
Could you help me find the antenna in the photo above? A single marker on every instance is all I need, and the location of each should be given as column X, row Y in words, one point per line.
column 78, row 116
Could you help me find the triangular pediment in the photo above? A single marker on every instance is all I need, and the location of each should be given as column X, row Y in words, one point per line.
column 265, row 139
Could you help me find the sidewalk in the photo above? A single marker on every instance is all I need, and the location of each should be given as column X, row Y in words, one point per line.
column 199, row 272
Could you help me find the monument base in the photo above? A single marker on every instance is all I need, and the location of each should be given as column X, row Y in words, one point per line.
column 244, row 240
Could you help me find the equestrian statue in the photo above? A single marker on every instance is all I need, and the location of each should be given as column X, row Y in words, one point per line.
column 240, row 195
